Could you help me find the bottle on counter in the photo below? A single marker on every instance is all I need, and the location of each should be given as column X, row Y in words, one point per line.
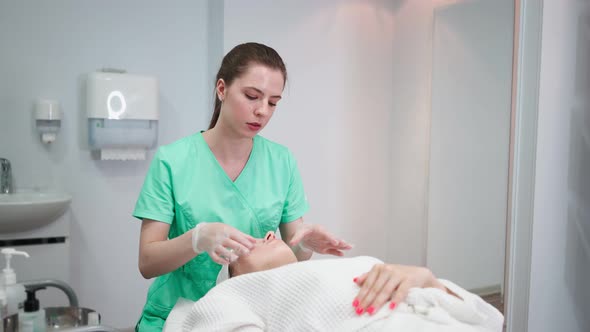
column 15, row 292
column 3, row 302
column 31, row 318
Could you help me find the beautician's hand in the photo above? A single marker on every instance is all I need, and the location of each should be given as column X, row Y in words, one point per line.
column 316, row 238
column 390, row 282
column 222, row 242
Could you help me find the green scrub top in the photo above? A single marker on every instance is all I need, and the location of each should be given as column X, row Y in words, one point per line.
column 186, row 185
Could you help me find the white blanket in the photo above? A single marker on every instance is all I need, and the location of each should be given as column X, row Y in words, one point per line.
column 317, row 296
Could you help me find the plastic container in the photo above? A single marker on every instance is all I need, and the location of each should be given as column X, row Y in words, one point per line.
column 30, row 317
column 3, row 302
column 15, row 293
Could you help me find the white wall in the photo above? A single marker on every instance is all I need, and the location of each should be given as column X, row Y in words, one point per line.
column 336, row 113
column 410, row 130
column 354, row 64
column 47, row 47
column 560, row 267
column 356, row 113
column 470, row 130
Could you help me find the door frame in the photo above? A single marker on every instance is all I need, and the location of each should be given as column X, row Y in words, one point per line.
column 523, row 146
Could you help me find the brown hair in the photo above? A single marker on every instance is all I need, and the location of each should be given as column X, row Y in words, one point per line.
column 236, row 62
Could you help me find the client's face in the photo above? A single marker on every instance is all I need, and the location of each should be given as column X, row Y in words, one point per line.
column 268, row 253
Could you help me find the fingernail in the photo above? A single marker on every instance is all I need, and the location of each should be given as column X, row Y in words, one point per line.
column 370, row 310
column 355, row 279
column 392, row 305
column 355, row 303
column 359, row 311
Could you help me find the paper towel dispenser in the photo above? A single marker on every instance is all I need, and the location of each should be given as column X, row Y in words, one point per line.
column 122, row 114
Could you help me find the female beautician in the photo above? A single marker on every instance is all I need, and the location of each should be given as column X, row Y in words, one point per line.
column 206, row 197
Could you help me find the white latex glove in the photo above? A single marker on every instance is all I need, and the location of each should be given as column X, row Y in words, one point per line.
column 222, row 242
column 316, row 238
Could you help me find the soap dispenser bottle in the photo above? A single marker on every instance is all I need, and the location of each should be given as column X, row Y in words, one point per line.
column 15, row 293
column 3, row 307
column 30, row 317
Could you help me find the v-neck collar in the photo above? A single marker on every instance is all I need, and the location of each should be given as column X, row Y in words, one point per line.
column 218, row 165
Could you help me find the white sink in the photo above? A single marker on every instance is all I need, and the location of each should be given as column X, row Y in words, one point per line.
column 22, row 211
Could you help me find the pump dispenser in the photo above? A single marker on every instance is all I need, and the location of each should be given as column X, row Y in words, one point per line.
column 32, row 318
column 9, row 273
column 15, row 293
column 3, row 302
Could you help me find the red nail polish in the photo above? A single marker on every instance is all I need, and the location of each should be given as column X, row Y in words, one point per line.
column 370, row 310
column 359, row 311
column 392, row 305
column 355, row 279
column 355, row 303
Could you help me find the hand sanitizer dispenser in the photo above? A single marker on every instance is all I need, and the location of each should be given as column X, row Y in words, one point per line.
column 15, row 293
column 122, row 114
column 48, row 119
column 3, row 303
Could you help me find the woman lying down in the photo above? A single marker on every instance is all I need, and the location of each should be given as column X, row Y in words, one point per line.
column 268, row 290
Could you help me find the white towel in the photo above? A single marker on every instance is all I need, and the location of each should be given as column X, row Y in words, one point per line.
column 317, row 296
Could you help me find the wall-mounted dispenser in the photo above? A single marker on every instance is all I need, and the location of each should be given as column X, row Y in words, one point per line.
column 122, row 114
column 48, row 119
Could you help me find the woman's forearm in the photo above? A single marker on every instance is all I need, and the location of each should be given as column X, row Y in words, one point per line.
column 161, row 257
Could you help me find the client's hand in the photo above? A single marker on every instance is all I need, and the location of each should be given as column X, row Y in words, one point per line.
column 316, row 238
column 390, row 282
column 222, row 242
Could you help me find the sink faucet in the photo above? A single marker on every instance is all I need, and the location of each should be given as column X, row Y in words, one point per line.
column 5, row 176
column 40, row 284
